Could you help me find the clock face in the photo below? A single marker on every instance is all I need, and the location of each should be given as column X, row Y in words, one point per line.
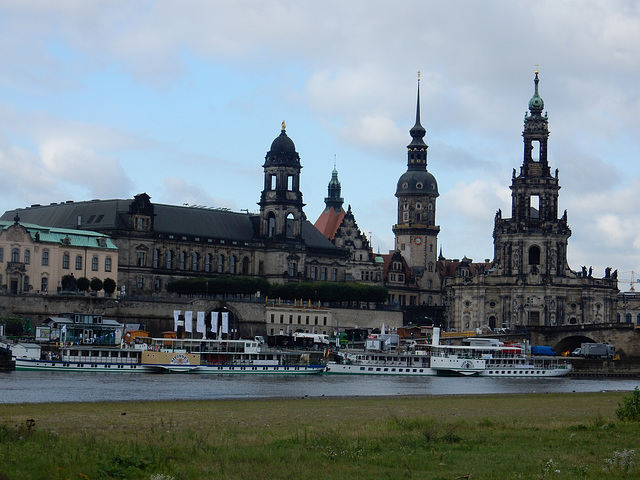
column 418, row 240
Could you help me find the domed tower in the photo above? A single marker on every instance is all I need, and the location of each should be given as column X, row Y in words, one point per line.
column 281, row 200
column 533, row 243
column 417, row 190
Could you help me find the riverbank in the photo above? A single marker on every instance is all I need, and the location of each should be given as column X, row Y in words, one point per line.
column 575, row 436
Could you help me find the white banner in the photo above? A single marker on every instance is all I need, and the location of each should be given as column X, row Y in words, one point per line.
column 214, row 323
column 200, row 323
column 225, row 322
column 188, row 321
column 176, row 314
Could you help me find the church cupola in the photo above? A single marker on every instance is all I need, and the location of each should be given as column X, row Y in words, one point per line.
column 281, row 200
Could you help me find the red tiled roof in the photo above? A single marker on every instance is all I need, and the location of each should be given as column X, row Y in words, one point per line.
column 329, row 221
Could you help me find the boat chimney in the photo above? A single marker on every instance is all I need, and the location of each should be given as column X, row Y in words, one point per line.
column 435, row 337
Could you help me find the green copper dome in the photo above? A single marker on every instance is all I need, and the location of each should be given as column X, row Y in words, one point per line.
column 536, row 104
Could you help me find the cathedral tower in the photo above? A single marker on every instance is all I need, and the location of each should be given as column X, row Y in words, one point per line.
column 280, row 203
column 416, row 234
column 533, row 243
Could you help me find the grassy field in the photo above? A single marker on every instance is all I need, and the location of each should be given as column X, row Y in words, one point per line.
column 541, row 436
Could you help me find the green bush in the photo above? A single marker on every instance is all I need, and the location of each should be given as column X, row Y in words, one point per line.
column 629, row 409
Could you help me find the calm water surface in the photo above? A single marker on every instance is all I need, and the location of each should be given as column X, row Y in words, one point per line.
column 39, row 387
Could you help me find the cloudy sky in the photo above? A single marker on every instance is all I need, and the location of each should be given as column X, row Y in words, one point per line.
column 182, row 99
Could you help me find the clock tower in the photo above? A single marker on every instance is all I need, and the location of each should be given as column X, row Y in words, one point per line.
column 416, row 234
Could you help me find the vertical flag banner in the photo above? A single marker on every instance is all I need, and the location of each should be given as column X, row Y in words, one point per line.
column 176, row 314
column 200, row 327
column 225, row 322
column 188, row 321
column 214, row 323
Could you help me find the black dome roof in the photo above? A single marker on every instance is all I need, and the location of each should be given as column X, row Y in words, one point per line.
column 282, row 143
column 283, row 151
column 418, row 182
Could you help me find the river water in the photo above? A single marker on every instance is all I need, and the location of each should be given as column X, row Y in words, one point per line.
column 41, row 387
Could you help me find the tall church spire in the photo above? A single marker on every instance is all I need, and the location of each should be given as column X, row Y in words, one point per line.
column 417, row 149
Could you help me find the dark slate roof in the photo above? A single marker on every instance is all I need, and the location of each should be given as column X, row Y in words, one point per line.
column 95, row 215
column 102, row 215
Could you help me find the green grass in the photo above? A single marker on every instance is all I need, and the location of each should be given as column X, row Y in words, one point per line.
column 543, row 436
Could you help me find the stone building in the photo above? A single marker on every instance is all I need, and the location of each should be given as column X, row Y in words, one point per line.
column 529, row 281
column 33, row 258
column 158, row 243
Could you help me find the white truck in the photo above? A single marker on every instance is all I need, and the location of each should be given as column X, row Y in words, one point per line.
column 595, row 350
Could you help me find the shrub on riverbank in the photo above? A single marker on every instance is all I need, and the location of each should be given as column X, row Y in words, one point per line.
column 568, row 436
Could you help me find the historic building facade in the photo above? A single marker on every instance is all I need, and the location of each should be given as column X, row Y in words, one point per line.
column 158, row 243
column 33, row 258
column 529, row 281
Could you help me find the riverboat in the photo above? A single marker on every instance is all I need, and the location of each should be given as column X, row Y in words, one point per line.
column 381, row 363
column 201, row 356
column 487, row 357
column 89, row 358
column 170, row 355
column 482, row 357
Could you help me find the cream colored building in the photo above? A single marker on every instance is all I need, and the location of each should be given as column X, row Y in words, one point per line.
column 33, row 258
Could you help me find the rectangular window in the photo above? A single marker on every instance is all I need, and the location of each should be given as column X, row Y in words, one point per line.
column 78, row 262
column 94, row 264
column 314, row 273
column 140, row 283
column 44, row 285
column 157, row 284
column 107, row 264
column 290, row 183
column 156, row 258
column 45, row 258
column 292, row 269
column 323, row 273
column 65, row 261
column 334, row 275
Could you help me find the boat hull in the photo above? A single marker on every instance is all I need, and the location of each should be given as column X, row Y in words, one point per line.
column 63, row 366
column 376, row 369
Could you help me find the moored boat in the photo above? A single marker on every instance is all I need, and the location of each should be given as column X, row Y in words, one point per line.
column 203, row 356
column 89, row 358
column 481, row 357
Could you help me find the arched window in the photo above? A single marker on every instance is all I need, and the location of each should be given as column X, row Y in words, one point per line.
column 15, row 255
column 245, row 266
column 271, row 228
column 182, row 260
column 169, row 259
column 232, row 264
column 45, row 258
column 220, row 263
column 27, row 257
column 44, row 284
column 289, row 224
column 207, row 262
column 534, row 255
column 156, row 258
column 194, row 261
column 65, row 261
column 627, row 318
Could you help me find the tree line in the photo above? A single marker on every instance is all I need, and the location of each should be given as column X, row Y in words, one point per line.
column 315, row 291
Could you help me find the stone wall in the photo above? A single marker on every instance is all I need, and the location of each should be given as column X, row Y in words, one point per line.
column 249, row 318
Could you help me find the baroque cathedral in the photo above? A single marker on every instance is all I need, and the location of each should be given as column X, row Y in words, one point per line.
column 528, row 282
